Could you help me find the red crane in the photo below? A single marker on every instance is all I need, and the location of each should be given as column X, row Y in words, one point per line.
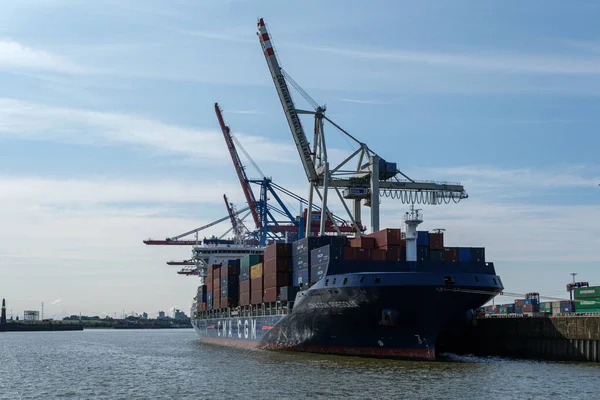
column 239, row 168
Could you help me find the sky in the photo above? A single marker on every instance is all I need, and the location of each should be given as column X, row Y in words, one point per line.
column 108, row 134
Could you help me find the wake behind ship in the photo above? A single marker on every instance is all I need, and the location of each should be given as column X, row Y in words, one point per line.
column 330, row 294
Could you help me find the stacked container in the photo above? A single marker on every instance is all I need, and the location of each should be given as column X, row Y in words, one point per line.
column 587, row 299
column 209, row 288
column 216, row 300
column 277, row 270
column 201, row 298
column 256, row 283
column 389, row 241
column 322, row 256
column 230, row 284
column 301, row 263
column 246, row 263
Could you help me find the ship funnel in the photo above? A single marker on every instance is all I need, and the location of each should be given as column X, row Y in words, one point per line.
column 412, row 219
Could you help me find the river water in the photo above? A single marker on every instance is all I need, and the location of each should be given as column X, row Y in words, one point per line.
column 173, row 364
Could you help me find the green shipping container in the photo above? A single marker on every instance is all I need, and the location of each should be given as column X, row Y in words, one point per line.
column 585, row 292
column 588, row 310
column 250, row 260
column 586, row 304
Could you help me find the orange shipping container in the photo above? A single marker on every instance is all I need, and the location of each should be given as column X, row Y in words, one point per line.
column 394, row 254
column 363, row 242
column 256, row 284
column 256, row 271
column 386, row 237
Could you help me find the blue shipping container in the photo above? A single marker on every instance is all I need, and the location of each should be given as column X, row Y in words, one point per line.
column 422, row 253
column 478, row 254
column 318, row 271
column 209, row 300
column 436, row 255
column 422, row 238
column 464, row 254
column 518, row 309
column 245, row 273
column 531, row 301
column 301, row 277
column 325, row 253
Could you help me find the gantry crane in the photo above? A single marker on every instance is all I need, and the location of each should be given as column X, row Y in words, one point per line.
column 264, row 213
column 372, row 176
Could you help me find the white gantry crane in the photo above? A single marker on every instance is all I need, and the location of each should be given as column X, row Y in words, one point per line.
column 362, row 175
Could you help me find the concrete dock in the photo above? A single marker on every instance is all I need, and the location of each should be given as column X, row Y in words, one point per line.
column 559, row 338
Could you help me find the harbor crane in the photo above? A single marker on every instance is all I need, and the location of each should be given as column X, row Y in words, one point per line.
column 369, row 178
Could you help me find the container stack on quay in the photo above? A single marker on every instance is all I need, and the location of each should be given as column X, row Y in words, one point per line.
column 587, row 299
column 531, row 308
column 286, row 268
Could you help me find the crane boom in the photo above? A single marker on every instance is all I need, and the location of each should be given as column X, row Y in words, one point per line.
column 287, row 102
column 230, row 212
column 239, row 169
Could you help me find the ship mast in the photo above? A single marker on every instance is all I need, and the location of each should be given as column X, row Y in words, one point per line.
column 412, row 219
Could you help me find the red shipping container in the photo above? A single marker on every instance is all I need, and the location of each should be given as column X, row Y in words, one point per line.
column 256, row 297
column 388, row 247
column 275, row 265
column 349, row 253
column 214, row 268
column 362, row 242
column 244, row 287
column 357, row 253
column 386, row 237
column 256, row 284
column 277, row 280
column 216, row 274
column 519, row 302
column 436, row 241
column 451, row 254
column 278, row 250
column 378, row 255
column 216, row 283
column 270, row 295
column 216, row 302
column 244, row 299
column 394, row 253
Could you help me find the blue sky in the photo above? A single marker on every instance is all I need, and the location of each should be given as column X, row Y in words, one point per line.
column 108, row 134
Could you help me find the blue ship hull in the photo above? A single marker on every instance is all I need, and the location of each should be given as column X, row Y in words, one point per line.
column 383, row 314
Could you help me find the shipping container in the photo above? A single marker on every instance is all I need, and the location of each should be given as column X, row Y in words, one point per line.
column 518, row 309
column 288, row 293
column 355, row 253
column 531, row 308
column 464, row 254
column 451, row 254
column 386, row 237
column 216, row 273
column 436, row 255
column 304, row 246
column 531, row 301
column 422, row 238
column 325, row 253
column 583, row 292
column 256, row 271
column 301, row 261
column 244, row 273
column 270, row 294
column 478, row 254
column 364, row 242
column 256, row 297
column 209, row 300
column 216, row 284
column 250, row 260
column 422, row 253
column 301, row 277
column 245, row 299
column 278, row 280
column 318, row 271
column 378, row 255
column 227, row 302
column 229, row 270
column 278, row 250
column 214, row 268
column 244, row 287
column 230, row 286
column 436, row 241
column 275, row 265
column 588, row 303
column 256, row 284
column 396, row 254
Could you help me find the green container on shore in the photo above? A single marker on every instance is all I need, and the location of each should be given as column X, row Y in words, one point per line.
column 587, row 304
column 587, row 292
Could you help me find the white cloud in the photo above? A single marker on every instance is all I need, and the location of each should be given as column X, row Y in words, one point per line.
column 55, row 302
column 482, row 60
column 34, row 121
column 359, row 101
column 15, row 56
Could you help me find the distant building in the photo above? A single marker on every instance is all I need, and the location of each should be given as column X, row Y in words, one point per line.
column 161, row 315
column 179, row 315
column 144, row 315
column 31, row 315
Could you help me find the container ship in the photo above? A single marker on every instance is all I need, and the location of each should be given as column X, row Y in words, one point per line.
column 350, row 296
